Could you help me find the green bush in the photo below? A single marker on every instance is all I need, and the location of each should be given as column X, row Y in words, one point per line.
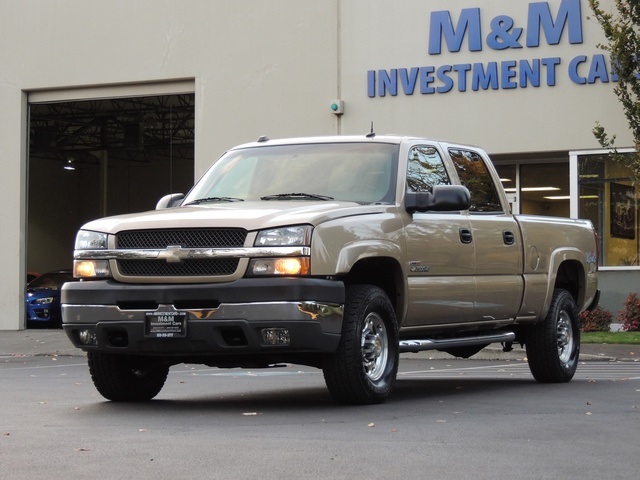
column 597, row 320
column 630, row 315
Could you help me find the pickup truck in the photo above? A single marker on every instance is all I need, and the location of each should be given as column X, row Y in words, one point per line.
column 333, row 252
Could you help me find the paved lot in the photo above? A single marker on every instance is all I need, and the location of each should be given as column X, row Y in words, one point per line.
column 447, row 419
column 55, row 342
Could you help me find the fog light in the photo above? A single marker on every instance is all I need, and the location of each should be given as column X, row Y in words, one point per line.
column 276, row 336
column 87, row 337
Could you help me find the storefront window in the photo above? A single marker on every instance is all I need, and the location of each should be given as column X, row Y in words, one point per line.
column 608, row 196
column 537, row 189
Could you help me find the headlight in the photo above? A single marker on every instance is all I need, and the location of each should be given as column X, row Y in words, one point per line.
column 91, row 269
column 87, row 268
column 43, row 301
column 287, row 266
column 285, row 236
column 88, row 240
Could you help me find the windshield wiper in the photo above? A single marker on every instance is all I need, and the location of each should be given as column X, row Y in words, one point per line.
column 296, row 196
column 214, row 199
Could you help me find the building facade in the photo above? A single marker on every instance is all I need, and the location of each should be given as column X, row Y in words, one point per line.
column 143, row 96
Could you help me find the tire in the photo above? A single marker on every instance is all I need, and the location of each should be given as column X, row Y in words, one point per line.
column 363, row 369
column 122, row 378
column 553, row 346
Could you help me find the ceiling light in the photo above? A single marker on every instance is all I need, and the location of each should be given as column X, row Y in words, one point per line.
column 69, row 165
column 539, row 189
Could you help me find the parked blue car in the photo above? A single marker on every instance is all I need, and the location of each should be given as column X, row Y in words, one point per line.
column 43, row 299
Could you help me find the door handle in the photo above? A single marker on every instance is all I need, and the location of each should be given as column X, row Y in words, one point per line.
column 508, row 237
column 465, row 235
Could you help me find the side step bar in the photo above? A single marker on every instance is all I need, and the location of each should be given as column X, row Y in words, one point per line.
column 443, row 344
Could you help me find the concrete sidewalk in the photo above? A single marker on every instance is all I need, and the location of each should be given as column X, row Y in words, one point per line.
column 55, row 342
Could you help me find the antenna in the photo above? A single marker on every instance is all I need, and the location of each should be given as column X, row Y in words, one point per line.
column 371, row 134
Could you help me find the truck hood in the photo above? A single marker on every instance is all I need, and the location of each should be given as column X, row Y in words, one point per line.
column 248, row 215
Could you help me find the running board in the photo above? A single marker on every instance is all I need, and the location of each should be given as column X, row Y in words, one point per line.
column 443, row 344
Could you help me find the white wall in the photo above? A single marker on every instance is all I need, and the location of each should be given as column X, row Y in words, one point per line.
column 272, row 67
column 396, row 35
column 259, row 68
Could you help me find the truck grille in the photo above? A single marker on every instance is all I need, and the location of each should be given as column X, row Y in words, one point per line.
column 186, row 268
column 185, row 237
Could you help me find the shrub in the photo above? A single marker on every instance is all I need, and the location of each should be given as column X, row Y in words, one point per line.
column 597, row 320
column 630, row 315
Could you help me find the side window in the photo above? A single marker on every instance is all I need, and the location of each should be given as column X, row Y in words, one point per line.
column 425, row 169
column 475, row 176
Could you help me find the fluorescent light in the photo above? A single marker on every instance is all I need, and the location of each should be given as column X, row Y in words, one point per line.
column 539, row 189
column 558, row 197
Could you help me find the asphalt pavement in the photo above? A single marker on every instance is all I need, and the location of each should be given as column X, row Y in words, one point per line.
column 55, row 342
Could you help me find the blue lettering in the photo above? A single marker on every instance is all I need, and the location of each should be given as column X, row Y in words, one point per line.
column 408, row 80
column 569, row 14
column 529, row 73
column 426, row 79
column 502, row 36
column 447, row 81
column 573, row 69
column 507, row 73
column 462, row 69
column 551, row 64
column 371, row 83
column 442, row 26
column 485, row 79
column 598, row 70
column 388, row 81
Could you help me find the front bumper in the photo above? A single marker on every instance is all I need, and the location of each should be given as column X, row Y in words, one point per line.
column 221, row 319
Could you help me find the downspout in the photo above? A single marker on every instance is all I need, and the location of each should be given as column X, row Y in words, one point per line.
column 338, row 62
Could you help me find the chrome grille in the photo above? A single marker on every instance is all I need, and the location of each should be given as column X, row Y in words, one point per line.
column 185, row 237
column 186, row 268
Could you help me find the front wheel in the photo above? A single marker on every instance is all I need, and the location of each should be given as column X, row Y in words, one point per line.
column 126, row 378
column 553, row 346
column 364, row 367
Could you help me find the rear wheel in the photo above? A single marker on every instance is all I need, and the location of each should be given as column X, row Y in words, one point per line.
column 553, row 346
column 126, row 378
column 364, row 367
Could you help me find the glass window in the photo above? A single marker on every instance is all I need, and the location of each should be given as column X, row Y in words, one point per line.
column 543, row 188
column 425, row 169
column 357, row 172
column 609, row 198
column 475, row 176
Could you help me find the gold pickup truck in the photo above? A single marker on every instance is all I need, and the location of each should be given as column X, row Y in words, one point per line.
column 335, row 252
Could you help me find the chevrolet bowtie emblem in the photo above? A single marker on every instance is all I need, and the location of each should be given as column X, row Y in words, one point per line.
column 173, row 254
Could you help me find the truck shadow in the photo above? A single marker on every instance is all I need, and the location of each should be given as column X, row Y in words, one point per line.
column 409, row 395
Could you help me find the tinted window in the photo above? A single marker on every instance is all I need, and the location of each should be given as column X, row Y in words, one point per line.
column 356, row 172
column 475, row 176
column 425, row 169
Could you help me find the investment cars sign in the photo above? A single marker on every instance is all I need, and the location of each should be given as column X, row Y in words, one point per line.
column 542, row 26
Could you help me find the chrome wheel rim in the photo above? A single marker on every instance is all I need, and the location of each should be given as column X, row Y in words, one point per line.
column 565, row 338
column 374, row 344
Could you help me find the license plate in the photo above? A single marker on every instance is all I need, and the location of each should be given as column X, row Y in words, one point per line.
column 165, row 325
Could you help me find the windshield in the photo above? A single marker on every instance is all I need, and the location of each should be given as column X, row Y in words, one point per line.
column 355, row 172
column 52, row 281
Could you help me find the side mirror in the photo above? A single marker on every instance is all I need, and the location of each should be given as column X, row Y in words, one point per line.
column 443, row 198
column 168, row 201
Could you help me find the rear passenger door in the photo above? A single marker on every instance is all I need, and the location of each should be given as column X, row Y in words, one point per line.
column 441, row 260
column 496, row 237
